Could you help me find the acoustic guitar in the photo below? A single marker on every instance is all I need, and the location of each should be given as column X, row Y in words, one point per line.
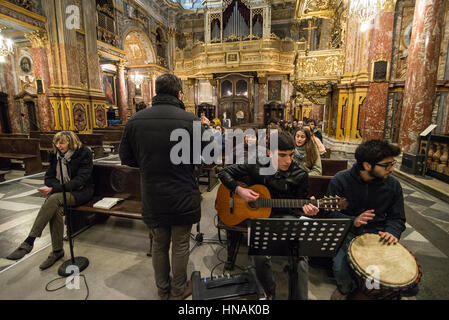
column 234, row 210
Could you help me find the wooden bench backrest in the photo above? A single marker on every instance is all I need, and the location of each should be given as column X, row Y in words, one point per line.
column 117, row 181
column 91, row 139
column 14, row 135
column 20, row 146
column 332, row 166
column 46, row 140
column 318, row 185
column 114, row 181
column 110, row 135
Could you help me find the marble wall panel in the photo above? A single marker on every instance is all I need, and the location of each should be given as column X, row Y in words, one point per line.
column 419, row 91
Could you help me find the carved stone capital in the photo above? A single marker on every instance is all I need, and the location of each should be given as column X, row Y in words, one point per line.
column 38, row 39
column 121, row 64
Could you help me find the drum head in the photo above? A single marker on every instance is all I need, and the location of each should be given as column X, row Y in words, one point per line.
column 389, row 264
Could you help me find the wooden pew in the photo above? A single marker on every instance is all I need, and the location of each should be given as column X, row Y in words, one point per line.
column 234, row 234
column 26, row 150
column 14, row 135
column 117, row 182
column 93, row 141
column 208, row 172
column 45, row 143
column 111, row 181
column 332, row 166
column 111, row 138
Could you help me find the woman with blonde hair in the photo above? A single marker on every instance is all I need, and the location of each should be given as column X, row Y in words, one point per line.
column 306, row 152
column 76, row 176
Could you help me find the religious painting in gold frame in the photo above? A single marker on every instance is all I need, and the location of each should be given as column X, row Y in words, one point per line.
column 109, row 88
column 274, row 90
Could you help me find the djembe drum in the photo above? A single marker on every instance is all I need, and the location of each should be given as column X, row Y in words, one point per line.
column 383, row 270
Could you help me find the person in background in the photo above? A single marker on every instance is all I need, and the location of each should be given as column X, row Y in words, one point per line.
column 306, row 152
column 318, row 143
column 316, row 132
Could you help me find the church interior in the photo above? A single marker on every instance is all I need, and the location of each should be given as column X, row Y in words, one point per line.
column 362, row 69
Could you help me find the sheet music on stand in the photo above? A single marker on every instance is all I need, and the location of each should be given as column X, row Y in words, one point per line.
column 313, row 238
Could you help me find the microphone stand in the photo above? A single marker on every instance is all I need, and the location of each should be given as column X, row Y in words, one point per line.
column 76, row 264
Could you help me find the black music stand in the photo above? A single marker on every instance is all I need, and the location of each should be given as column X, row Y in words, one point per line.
column 295, row 238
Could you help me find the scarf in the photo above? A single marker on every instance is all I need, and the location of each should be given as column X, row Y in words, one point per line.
column 65, row 160
column 300, row 154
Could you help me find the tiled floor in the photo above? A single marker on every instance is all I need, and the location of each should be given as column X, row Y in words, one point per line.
column 426, row 236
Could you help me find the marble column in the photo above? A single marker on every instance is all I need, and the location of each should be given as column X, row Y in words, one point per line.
column 146, row 91
column 42, row 72
column 171, row 47
column 261, row 110
column 420, row 83
column 13, row 111
column 131, row 95
column 153, row 85
column 373, row 111
column 121, row 92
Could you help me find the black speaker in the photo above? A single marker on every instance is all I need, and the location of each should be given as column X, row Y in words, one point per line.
column 412, row 163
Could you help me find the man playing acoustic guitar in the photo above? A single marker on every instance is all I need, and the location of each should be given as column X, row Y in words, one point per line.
column 288, row 182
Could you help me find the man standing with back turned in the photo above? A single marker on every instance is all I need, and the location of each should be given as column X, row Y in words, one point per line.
column 170, row 195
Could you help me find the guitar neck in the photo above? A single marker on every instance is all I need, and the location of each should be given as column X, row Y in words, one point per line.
column 284, row 203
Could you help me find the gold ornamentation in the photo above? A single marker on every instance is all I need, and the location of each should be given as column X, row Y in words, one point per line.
column 121, row 64
column 38, row 39
column 314, row 91
column 106, row 9
column 330, row 66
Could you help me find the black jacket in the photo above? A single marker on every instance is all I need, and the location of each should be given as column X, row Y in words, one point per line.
column 290, row 184
column 80, row 167
column 170, row 194
column 382, row 195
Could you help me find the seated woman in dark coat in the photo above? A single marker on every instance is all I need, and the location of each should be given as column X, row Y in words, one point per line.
column 77, row 165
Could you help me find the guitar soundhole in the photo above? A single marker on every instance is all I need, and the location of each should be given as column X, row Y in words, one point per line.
column 252, row 205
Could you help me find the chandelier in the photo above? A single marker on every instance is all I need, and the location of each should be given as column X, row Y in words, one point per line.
column 364, row 11
column 6, row 46
column 137, row 79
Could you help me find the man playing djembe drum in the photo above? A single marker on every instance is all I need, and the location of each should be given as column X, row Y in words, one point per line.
column 375, row 204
